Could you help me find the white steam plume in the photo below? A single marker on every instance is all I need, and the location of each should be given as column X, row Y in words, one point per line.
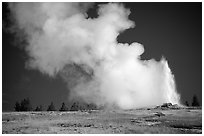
column 85, row 52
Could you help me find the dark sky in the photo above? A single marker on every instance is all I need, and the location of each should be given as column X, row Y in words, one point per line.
column 173, row 30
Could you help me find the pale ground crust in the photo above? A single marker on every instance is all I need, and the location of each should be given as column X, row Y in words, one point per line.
column 101, row 121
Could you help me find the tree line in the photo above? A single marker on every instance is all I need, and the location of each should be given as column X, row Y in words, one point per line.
column 25, row 105
column 195, row 102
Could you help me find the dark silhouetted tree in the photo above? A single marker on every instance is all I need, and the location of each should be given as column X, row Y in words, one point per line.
column 25, row 105
column 91, row 106
column 186, row 103
column 51, row 107
column 195, row 101
column 17, row 106
column 63, row 108
column 41, row 108
column 82, row 106
column 75, row 106
column 38, row 108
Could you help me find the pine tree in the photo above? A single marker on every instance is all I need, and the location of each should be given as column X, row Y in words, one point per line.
column 93, row 106
column 41, row 108
column 25, row 105
column 51, row 107
column 63, row 108
column 186, row 103
column 75, row 106
column 17, row 106
column 195, row 101
column 38, row 108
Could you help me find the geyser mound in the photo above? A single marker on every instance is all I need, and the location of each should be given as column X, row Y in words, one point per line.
column 85, row 52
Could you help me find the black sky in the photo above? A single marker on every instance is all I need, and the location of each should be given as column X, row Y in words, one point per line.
column 172, row 30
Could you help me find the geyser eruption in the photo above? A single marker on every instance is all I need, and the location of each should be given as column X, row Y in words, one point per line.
column 84, row 51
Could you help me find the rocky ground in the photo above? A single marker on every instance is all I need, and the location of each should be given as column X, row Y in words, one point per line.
column 155, row 120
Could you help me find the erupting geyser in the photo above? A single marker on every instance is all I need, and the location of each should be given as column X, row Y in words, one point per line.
column 63, row 41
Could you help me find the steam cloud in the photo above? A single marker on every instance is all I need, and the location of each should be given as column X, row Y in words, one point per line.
column 84, row 51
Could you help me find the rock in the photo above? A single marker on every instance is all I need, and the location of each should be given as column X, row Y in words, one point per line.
column 157, row 107
column 167, row 105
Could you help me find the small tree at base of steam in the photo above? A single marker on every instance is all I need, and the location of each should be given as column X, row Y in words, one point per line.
column 51, row 107
column 39, row 108
column 63, row 108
